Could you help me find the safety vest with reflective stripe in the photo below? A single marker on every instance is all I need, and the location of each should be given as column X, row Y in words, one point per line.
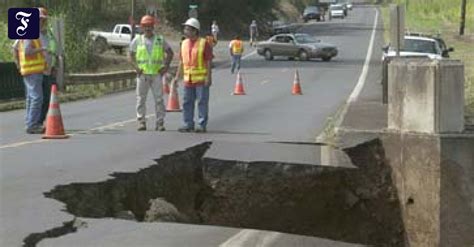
column 194, row 67
column 150, row 63
column 237, row 48
column 31, row 64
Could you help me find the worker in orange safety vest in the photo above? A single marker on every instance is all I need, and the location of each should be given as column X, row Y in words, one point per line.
column 236, row 48
column 195, row 67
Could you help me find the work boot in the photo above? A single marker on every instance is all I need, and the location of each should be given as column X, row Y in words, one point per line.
column 141, row 126
column 35, row 130
column 185, row 129
column 160, row 127
column 200, row 130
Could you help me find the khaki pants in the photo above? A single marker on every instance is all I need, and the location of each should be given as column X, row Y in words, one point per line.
column 144, row 84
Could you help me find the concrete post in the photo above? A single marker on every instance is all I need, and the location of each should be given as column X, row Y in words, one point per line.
column 425, row 95
column 434, row 177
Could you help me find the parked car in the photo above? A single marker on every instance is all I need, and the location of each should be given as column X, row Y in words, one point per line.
column 416, row 45
column 420, row 45
column 344, row 4
column 336, row 11
column 118, row 39
column 349, row 5
column 299, row 45
column 312, row 12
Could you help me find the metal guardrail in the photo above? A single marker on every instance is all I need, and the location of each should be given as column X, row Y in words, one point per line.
column 106, row 77
column 79, row 79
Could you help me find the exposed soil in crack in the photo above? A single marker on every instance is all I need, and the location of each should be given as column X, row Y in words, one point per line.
column 352, row 205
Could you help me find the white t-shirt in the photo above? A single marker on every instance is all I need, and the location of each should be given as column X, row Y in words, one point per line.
column 214, row 28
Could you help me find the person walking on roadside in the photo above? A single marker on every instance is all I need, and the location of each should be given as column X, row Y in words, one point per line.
column 195, row 66
column 48, row 40
column 150, row 56
column 253, row 29
column 236, row 48
column 33, row 59
column 215, row 29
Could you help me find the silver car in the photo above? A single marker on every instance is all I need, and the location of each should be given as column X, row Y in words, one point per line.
column 299, row 45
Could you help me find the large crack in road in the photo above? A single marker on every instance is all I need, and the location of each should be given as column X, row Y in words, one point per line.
column 357, row 205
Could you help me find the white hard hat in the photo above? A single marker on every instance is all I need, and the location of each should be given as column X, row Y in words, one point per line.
column 193, row 22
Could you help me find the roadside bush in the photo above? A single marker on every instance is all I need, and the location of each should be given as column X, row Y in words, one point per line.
column 5, row 44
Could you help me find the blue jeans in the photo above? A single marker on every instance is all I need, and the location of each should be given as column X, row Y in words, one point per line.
column 235, row 63
column 34, row 99
column 191, row 94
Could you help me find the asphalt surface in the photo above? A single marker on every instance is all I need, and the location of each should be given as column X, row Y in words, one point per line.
column 104, row 140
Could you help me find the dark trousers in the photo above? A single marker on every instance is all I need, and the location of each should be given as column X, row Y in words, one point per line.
column 48, row 80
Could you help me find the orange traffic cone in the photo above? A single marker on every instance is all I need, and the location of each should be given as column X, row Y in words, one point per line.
column 296, row 85
column 166, row 87
column 54, row 121
column 173, row 100
column 239, row 86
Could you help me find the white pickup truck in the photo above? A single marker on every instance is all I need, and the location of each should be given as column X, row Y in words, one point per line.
column 118, row 39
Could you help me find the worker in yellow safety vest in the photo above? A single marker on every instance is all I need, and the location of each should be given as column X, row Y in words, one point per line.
column 236, row 48
column 195, row 67
column 34, row 59
column 150, row 56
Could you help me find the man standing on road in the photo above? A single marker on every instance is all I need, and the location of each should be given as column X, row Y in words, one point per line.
column 253, row 29
column 150, row 56
column 236, row 48
column 49, row 76
column 34, row 59
column 214, row 29
column 195, row 65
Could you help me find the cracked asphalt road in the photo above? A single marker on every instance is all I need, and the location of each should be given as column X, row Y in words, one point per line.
column 105, row 140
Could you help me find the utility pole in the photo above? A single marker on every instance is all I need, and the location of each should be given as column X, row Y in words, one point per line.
column 132, row 21
column 463, row 17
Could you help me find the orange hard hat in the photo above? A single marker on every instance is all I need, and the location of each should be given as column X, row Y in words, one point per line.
column 147, row 20
column 43, row 12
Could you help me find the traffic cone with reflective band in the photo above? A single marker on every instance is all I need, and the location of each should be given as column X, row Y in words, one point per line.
column 239, row 86
column 166, row 86
column 173, row 100
column 296, row 85
column 54, row 121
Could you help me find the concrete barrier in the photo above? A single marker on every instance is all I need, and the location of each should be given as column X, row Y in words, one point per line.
column 434, row 179
column 426, row 95
column 434, row 176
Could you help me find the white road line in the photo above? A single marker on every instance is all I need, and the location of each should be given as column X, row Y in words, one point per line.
column 243, row 238
column 250, row 54
column 269, row 239
column 19, row 144
column 238, row 239
column 363, row 75
column 100, row 128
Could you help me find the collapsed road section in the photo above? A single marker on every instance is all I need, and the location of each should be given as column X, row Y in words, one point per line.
column 356, row 204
